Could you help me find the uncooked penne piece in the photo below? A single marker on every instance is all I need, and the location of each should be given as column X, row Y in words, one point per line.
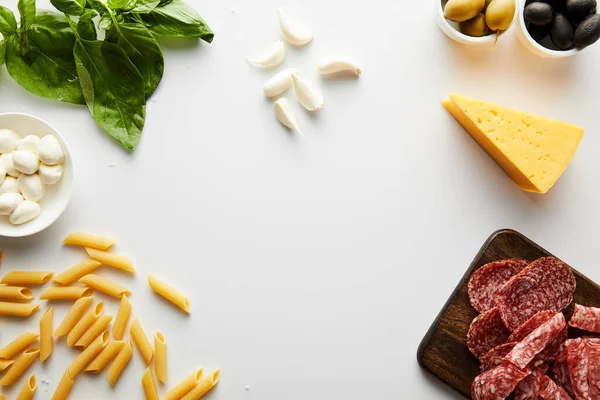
column 46, row 339
column 206, row 383
column 18, row 345
column 184, row 387
column 5, row 364
column 121, row 361
column 76, row 272
column 160, row 357
column 18, row 309
column 149, row 385
column 15, row 293
column 106, row 356
column 87, row 240
column 84, row 324
column 65, row 293
column 19, row 367
column 73, row 316
column 111, row 259
column 123, row 314
column 94, row 331
column 105, row 286
column 169, row 293
column 28, row 389
column 26, row 278
column 64, row 386
column 86, row 356
column 141, row 340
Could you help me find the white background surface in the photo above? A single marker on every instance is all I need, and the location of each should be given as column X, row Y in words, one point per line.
column 314, row 265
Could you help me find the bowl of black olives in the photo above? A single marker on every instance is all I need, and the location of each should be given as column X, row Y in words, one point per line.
column 558, row 28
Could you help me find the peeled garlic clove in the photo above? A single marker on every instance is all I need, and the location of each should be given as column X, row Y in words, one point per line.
column 10, row 185
column 9, row 165
column 272, row 57
column 25, row 212
column 31, row 187
column 29, row 143
column 285, row 114
column 309, row 95
column 50, row 174
column 279, row 83
column 293, row 32
column 336, row 66
column 9, row 202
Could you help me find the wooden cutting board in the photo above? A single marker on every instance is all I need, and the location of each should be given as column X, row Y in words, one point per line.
column 443, row 351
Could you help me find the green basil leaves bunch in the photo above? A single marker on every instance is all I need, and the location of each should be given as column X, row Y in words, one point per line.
column 58, row 56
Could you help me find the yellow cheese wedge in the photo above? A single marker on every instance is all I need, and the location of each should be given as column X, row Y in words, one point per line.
column 534, row 151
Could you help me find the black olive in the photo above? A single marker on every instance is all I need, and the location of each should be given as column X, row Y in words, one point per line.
column 588, row 31
column 538, row 33
column 558, row 5
column 561, row 32
column 538, row 13
column 578, row 10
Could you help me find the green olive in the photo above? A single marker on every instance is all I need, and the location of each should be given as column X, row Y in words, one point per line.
column 463, row 10
column 474, row 27
column 500, row 14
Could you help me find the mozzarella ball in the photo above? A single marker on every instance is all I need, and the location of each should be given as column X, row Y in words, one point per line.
column 29, row 143
column 50, row 174
column 8, row 140
column 49, row 150
column 31, row 187
column 2, row 173
column 25, row 162
column 9, row 165
column 9, row 202
column 10, row 185
column 25, row 212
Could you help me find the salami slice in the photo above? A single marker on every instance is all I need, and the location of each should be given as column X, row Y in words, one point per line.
column 560, row 371
column 495, row 356
column 486, row 332
column 545, row 284
column 577, row 360
column 553, row 349
column 594, row 367
column 551, row 391
column 525, row 351
column 486, row 281
column 498, row 382
column 586, row 318
column 529, row 388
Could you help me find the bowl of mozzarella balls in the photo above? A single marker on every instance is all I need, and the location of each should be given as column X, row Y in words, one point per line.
column 36, row 175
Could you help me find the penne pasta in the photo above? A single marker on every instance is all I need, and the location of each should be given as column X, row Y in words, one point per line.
column 18, row 309
column 87, row 240
column 122, row 317
column 65, row 293
column 111, row 259
column 94, row 331
column 26, row 278
column 149, row 385
column 160, row 357
column 19, row 367
column 28, row 389
column 169, row 293
column 106, row 356
column 5, row 364
column 18, row 345
column 86, row 356
column 105, row 286
column 121, row 361
column 15, row 293
column 64, row 386
column 73, row 316
column 206, row 383
column 76, row 272
column 141, row 340
column 84, row 324
column 46, row 339
column 185, row 386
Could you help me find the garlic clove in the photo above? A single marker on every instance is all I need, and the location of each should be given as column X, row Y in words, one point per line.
column 272, row 57
column 308, row 94
column 279, row 83
column 338, row 66
column 294, row 33
column 285, row 114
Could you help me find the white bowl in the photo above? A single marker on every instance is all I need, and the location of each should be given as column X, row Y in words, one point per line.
column 450, row 28
column 57, row 196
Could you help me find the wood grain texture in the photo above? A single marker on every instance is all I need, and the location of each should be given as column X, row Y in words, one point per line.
column 443, row 351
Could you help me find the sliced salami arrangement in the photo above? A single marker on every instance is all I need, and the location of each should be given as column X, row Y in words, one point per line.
column 521, row 336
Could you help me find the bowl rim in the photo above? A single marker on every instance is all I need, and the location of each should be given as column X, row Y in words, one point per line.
column 69, row 192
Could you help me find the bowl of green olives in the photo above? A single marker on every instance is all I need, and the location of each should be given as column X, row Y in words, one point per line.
column 476, row 22
column 558, row 28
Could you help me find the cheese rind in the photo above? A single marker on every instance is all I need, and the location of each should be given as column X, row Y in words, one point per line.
column 534, row 151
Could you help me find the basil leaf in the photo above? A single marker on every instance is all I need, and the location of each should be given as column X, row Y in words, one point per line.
column 143, row 51
column 8, row 23
column 27, row 11
column 113, row 89
column 177, row 19
column 2, row 52
column 70, row 7
column 85, row 26
column 105, row 22
column 96, row 5
column 145, row 8
column 51, row 32
column 118, row 4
